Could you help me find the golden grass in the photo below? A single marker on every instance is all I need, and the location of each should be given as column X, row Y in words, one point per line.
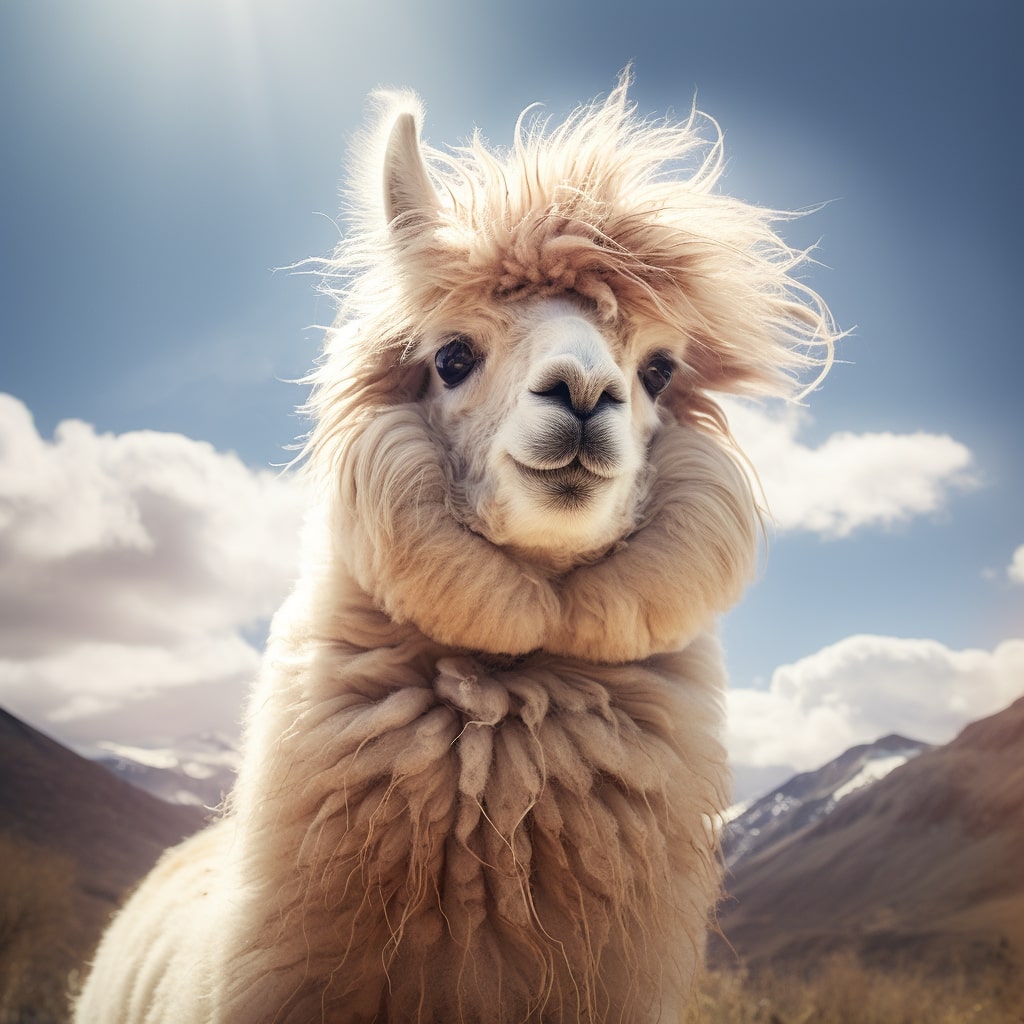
column 37, row 944
column 844, row 992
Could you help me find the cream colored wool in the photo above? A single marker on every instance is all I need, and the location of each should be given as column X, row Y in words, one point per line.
column 483, row 760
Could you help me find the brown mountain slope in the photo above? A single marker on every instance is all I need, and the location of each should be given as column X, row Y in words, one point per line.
column 924, row 870
column 73, row 840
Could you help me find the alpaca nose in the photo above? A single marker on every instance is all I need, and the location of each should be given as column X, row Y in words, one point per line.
column 573, row 395
column 581, row 382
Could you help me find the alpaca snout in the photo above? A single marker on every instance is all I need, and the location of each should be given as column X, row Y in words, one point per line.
column 576, row 370
column 575, row 415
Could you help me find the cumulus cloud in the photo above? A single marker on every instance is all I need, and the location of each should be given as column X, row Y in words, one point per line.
column 132, row 566
column 850, row 481
column 865, row 687
column 1016, row 569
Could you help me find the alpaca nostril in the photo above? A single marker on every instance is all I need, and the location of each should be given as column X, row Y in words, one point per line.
column 610, row 396
column 558, row 392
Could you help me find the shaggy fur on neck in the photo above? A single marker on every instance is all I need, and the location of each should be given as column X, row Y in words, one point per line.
column 480, row 784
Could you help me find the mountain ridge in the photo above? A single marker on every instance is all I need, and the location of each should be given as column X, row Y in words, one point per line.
column 809, row 797
column 920, row 869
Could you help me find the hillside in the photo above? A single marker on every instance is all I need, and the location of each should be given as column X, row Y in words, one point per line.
column 73, row 840
column 811, row 796
column 921, row 870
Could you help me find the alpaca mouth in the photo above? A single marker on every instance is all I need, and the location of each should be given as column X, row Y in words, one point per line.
column 567, row 488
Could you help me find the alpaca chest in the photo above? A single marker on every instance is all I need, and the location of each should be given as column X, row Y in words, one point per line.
column 533, row 840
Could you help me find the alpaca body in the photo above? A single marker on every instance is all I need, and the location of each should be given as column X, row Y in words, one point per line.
column 482, row 767
column 466, row 843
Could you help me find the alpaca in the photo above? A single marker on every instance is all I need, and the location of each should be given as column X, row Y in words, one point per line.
column 483, row 762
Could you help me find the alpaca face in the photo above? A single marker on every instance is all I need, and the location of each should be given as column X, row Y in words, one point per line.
column 547, row 428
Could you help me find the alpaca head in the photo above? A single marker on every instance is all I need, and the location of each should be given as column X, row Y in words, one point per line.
column 547, row 320
column 547, row 419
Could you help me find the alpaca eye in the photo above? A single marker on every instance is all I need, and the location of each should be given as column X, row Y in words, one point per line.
column 455, row 360
column 656, row 375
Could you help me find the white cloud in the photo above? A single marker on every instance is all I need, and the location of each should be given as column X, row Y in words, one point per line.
column 131, row 566
column 81, row 689
column 1016, row 569
column 850, row 481
column 865, row 687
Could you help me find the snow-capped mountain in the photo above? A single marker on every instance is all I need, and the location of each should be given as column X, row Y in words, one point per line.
column 920, row 869
column 199, row 770
column 807, row 798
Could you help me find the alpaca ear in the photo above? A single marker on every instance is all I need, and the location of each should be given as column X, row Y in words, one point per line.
column 409, row 197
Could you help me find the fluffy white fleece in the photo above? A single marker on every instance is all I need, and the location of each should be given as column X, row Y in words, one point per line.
column 483, row 760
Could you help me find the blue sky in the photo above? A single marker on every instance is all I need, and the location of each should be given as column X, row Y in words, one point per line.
column 162, row 157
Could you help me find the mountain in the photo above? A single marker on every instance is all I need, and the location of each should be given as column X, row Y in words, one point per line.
column 923, row 869
column 807, row 798
column 73, row 840
column 198, row 770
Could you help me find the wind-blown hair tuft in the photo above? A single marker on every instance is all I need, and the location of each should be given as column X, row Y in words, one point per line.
column 606, row 205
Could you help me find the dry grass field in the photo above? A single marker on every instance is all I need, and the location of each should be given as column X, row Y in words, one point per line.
column 40, row 938
column 845, row 993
